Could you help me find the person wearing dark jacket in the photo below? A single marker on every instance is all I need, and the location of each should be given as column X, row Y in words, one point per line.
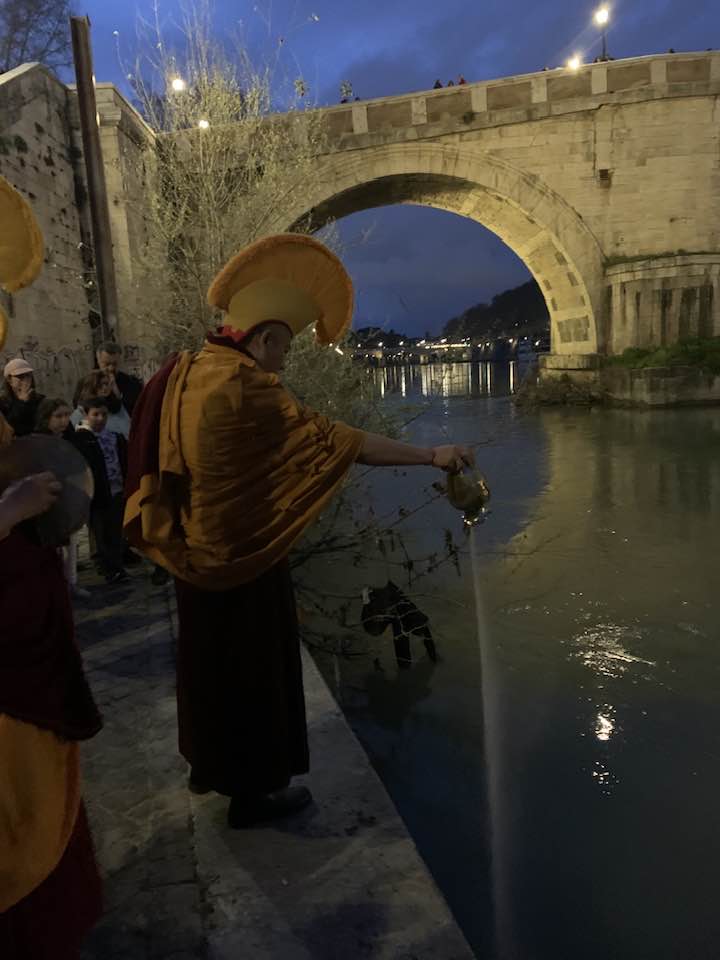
column 106, row 454
column 19, row 400
column 124, row 386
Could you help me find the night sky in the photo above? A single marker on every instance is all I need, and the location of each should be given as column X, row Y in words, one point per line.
column 416, row 267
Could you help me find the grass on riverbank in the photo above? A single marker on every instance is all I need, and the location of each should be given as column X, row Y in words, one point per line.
column 695, row 352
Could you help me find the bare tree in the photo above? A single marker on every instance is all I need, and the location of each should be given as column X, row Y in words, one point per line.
column 229, row 154
column 34, row 30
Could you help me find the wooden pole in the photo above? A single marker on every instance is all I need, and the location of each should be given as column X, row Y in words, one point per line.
column 95, row 170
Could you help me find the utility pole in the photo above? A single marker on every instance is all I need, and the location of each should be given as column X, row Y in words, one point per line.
column 95, row 171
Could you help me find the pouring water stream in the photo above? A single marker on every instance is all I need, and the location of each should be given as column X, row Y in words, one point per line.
column 469, row 493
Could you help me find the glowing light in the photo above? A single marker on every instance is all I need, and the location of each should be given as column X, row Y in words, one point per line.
column 574, row 63
column 203, row 124
column 602, row 15
column 402, row 343
column 380, row 343
column 341, row 352
column 604, row 726
column 178, row 84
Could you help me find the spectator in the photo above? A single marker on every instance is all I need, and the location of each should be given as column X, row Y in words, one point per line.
column 461, row 80
column 106, row 454
column 19, row 400
column 451, row 83
column 53, row 417
column 99, row 384
column 123, row 385
column 437, row 85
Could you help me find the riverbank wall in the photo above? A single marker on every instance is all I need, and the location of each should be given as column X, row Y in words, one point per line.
column 644, row 387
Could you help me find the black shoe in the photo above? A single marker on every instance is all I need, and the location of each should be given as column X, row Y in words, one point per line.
column 159, row 577
column 131, row 559
column 120, row 576
column 246, row 811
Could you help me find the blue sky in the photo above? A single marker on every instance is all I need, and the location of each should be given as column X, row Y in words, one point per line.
column 419, row 266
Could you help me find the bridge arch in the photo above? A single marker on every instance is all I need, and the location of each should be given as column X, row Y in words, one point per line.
column 535, row 222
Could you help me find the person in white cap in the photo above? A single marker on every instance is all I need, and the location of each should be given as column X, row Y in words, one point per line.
column 19, row 400
column 226, row 470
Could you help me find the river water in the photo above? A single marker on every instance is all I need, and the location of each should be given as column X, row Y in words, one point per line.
column 598, row 572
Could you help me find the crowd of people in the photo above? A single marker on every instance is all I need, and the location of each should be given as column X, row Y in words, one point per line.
column 97, row 424
column 461, row 81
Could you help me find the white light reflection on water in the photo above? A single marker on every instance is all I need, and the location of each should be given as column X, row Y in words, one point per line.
column 605, row 723
column 601, row 650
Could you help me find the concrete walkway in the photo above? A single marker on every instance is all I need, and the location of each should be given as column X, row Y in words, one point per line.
column 341, row 881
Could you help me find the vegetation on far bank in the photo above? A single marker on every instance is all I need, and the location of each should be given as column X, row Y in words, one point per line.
column 560, row 391
column 694, row 352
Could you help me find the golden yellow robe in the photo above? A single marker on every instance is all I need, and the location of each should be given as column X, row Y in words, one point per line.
column 39, row 803
column 242, row 470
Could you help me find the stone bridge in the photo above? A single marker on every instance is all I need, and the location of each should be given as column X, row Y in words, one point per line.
column 605, row 182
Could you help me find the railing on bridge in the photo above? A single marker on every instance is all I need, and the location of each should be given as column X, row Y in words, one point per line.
column 550, row 91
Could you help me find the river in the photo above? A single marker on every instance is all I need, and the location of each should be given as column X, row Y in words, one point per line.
column 598, row 570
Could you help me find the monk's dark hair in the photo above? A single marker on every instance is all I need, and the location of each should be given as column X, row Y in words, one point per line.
column 260, row 329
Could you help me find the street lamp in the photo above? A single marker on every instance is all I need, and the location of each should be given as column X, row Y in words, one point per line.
column 602, row 18
column 574, row 63
column 178, row 84
column 203, row 124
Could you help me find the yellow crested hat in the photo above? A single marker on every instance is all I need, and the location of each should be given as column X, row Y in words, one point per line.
column 289, row 278
column 21, row 246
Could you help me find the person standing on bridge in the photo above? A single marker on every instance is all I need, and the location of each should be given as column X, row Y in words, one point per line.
column 226, row 470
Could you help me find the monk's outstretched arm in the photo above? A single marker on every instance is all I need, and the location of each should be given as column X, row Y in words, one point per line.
column 379, row 451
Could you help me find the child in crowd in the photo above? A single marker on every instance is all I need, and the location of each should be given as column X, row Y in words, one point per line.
column 106, row 453
column 97, row 384
column 53, row 417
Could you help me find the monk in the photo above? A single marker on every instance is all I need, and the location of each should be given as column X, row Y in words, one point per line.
column 226, row 470
column 50, row 893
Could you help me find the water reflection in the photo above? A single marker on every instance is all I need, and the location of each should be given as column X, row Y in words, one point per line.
column 605, row 723
column 477, row 379
column 599, row 571
column 601, row 649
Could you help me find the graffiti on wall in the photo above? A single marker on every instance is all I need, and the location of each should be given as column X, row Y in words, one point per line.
column 58, row 370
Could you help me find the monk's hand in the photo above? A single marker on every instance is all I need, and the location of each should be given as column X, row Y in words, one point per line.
column 30, row 496
column 452, row 458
